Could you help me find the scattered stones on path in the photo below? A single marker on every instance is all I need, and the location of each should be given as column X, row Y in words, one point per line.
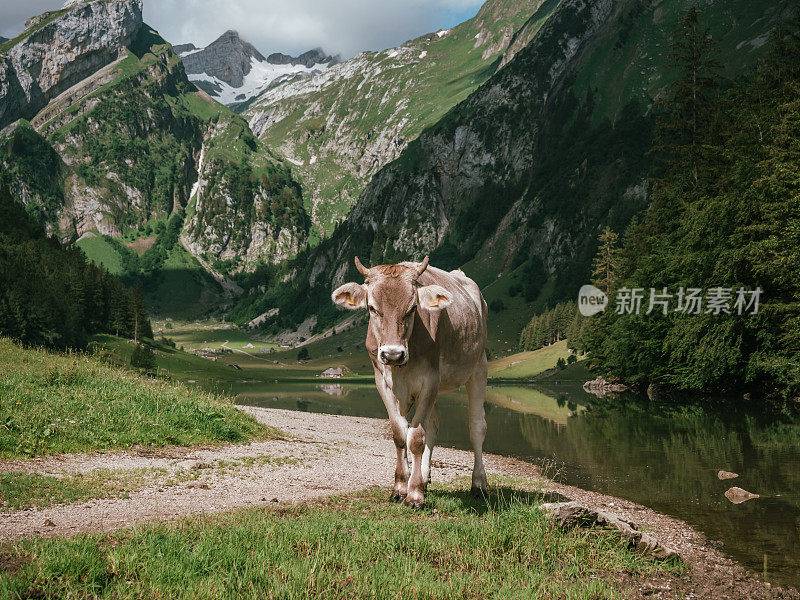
column 323, row 455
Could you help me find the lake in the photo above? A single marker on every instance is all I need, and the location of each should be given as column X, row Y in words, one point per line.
column 666, row 459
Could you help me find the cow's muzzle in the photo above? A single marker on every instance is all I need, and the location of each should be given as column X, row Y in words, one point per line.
column 393, row 355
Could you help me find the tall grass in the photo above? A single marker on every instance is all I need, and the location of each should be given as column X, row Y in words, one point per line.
column 51, row 403
column 352, row 547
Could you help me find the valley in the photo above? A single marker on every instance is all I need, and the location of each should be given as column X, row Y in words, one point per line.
column 174, row 218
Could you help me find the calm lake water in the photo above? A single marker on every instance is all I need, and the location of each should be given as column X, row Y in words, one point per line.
column 667, row 460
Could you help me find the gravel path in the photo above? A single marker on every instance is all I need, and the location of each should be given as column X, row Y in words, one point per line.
column 333, row 454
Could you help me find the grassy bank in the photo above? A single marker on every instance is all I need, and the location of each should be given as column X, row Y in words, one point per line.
column 352, row 547
column 19, row 491
column 51, row 403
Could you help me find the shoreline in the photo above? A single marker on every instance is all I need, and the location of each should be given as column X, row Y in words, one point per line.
column 316, row 460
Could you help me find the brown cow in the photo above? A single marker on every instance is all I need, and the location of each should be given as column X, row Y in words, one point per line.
column 427, row 335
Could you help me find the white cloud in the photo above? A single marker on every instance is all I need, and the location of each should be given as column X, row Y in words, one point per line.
column 339, row 26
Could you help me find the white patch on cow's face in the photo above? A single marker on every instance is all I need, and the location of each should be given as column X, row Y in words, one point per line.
column 393, row 354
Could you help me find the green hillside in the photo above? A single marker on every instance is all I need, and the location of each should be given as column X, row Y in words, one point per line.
column 523, row 174
column 342, row 126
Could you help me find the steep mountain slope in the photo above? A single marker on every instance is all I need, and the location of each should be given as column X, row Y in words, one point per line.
column 90, row 36
column 129, row 141
column 232, row 71
column 521, row 175
column 342, row 126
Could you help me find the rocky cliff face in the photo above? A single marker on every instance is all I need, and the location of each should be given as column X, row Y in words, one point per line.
column 88, row 37
column 409, row 208
column 122, row 145
column 248, row 213
column 340, row 127
column 232, row 71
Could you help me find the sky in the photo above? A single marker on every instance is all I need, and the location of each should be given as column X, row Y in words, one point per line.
column 344, row 27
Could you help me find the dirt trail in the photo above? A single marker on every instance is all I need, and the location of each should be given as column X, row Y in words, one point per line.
column 332, row 454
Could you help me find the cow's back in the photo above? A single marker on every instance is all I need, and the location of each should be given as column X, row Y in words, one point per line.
column 461, row 328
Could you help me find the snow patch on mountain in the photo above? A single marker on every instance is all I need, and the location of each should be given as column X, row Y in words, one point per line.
column 261, row 76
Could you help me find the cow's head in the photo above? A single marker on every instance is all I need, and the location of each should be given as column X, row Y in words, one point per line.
column 393, row 296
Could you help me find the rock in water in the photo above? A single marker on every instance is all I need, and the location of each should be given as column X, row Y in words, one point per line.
column 727, row 475
column 737, row 495
column 571, row 514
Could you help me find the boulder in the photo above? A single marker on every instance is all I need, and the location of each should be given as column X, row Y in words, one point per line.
column 600, row 387
column 737, row 495
column 727, row 475
column 573, row 514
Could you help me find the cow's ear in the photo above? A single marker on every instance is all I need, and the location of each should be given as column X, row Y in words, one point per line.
column 350, row 296
column 434, row 298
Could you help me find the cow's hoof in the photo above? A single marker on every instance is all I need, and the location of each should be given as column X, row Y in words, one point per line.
column 397, row 497
column 415, row 504
column 477, row 492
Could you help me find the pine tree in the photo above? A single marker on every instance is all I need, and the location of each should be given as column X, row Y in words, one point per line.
column 606, row 263
column 688, row 106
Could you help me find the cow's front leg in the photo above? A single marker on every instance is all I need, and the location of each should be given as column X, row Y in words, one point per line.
column 399, row 426
column 416, row 445
column 401, row 475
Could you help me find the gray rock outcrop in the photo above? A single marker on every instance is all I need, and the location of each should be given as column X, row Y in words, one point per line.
column 228, row 58
column 573, row 514
column 78, row 41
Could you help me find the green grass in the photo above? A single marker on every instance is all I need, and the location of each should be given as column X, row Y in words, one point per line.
column 182, row 288
column 209, row 334
column 350, row 547
column 99, row 250
column 525, row 365
column 52, row 403
column 20, row 491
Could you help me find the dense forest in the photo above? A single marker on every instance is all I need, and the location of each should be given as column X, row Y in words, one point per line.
column 51, row 296
column 724, row 217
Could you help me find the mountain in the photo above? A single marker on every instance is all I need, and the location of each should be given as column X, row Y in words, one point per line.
column 104, row 135
column 232, row 71
column 515, row 182
column 91, row 36
column 340, row 127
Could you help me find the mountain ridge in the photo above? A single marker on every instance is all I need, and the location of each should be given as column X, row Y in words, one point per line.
column 339, row 127
column 232, row 71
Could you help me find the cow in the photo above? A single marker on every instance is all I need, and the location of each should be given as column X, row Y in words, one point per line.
column 426, row 336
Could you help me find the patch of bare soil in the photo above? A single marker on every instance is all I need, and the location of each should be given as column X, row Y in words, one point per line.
column 323, row 455
column 141, row 244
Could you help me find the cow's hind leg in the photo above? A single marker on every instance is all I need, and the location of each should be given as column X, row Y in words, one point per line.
column 476, row 390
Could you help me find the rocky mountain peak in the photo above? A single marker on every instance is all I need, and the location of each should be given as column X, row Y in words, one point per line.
column 228, row 58
column 232, row 70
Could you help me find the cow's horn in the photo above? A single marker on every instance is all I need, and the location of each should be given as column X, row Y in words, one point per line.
column 421, row 268
column 361, row 268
